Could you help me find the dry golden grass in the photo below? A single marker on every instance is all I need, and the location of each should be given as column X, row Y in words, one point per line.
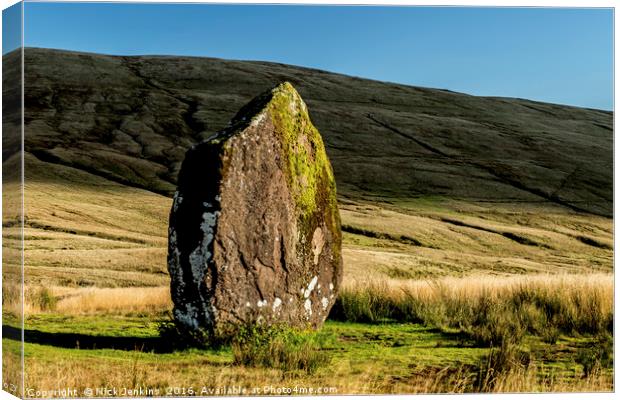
column 583, row 290
column 12, row 369
column 75, row 301
column 83, row 230
column 459, row 239
column 137, row 372
column 578, row 286
column 115, row 300
column 529, row 380
column 461, row 380
column 488, row 310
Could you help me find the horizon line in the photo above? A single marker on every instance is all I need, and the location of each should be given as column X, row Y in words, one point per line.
column 307, row 68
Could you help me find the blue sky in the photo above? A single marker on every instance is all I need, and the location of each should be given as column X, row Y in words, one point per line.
column 555, row 55
column 11, row 27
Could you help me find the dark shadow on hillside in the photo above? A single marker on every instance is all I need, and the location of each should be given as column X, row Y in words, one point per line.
column 84, row 341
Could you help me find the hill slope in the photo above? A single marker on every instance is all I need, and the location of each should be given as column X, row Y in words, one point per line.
column 82, row 230
column 131, row 119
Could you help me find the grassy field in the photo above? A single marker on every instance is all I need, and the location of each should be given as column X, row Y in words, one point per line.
column 82, row 351
column 440, row 295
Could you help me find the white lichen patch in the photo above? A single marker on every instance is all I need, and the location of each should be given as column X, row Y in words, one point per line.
column 277, row 303
column 331, row 286
column 208, row 222
column 258, row 119
column 311, row 287
column 188, row 313
column 292, row 106
column 308, row 307
column 261, row 303
column 176, row 201
column 196, row 261
column 213, row 310
column 324, row 303
column 189, row 317
column 200, row 257
column 247, row 304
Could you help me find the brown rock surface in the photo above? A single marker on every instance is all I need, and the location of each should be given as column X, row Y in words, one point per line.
column 254, row 227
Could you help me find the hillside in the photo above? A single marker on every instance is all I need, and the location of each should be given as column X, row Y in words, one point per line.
column 82, row 230
column 431, row 183
column 131, row 119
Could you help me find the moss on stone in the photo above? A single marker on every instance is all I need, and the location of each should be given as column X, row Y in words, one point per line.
column 308, row 169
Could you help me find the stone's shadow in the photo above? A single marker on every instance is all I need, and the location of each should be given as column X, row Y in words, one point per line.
column 90, row 342
column 461, row 338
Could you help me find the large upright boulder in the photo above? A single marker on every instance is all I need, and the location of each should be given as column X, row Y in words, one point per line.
column 254, row 231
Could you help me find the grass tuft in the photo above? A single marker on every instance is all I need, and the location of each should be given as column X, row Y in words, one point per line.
column 502, row 364
column 279, row 347
column 597, row 357
column 44, row 299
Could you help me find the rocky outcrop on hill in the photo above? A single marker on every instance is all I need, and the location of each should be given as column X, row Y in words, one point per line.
column 254, row 228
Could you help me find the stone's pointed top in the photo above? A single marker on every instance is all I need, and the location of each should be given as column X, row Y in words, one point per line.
column 285, row 86
column 287, row 89
column 282, row 99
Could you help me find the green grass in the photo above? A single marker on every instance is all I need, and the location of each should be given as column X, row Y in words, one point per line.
column 117, row 326
column 343, row 354
column 354, row 342
column 281, row 347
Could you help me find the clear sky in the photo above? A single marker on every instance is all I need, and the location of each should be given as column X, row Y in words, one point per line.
column 11, row 27
column 557, row 55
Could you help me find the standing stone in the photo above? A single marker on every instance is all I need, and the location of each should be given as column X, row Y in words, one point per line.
column 254, row 232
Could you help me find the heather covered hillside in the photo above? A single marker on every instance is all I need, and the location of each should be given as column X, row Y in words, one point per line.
column 131, row 119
